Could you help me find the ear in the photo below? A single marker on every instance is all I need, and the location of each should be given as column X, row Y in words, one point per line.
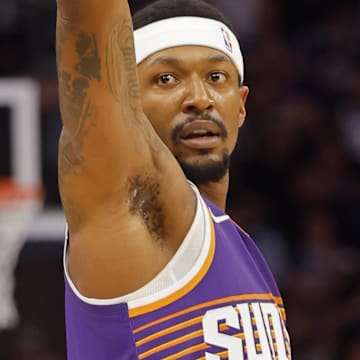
column 243, row 93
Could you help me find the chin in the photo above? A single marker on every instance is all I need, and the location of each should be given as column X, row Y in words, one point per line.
column 203, row 171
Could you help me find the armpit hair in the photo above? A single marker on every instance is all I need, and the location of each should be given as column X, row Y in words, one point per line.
column 144, row 201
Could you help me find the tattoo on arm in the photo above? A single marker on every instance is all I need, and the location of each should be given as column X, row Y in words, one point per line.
column 120, row 55
column 73, row 90
column 75, row 81
column 89, row 60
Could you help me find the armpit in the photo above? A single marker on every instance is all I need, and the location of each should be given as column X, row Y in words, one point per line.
column 144, row 201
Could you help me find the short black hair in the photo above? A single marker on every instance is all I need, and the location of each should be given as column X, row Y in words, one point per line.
column 165, row 9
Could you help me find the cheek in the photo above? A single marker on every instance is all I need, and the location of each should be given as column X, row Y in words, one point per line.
column 157, row 102
column 230, row 112
column 232, row 137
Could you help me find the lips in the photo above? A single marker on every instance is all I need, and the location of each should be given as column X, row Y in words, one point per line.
column 201, row 134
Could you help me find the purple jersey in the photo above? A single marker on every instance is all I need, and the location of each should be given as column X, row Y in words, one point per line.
column 227, row 307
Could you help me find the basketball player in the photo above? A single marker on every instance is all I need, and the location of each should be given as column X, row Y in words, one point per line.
column 154, row 267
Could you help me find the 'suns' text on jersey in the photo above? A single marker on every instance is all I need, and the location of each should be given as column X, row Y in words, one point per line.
column 249, row 330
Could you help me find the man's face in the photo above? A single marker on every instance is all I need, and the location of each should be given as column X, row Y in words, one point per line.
column 191, row 96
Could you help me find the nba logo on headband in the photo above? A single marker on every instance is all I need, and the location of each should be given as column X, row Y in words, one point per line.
column 227, row 40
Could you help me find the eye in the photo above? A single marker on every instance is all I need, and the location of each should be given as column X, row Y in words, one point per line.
column 166, row 79
column 217, row 77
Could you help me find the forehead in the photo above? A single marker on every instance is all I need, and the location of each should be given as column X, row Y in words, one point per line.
column 187, row 54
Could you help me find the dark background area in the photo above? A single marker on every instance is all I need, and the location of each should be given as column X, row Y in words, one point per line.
column 295, row 173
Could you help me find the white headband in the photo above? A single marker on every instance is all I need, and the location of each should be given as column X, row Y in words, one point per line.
column 187, row 30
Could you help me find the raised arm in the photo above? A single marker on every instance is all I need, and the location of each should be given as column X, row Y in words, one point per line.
column 100, row 103
column 112, row 166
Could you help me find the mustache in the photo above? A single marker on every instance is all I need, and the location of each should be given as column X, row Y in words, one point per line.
column 204, row 116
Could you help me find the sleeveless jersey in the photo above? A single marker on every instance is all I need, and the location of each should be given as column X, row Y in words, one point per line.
column 227, row 306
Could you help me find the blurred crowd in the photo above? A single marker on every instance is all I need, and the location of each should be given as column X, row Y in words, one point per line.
column 295, row 181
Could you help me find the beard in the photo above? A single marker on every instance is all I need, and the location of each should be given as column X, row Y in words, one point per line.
column 204, row 168
column 205, row 171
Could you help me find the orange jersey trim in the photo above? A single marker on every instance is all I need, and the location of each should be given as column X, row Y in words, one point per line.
column 170, row 330
column 230, row 299
column 188, row 351
column 193, row 335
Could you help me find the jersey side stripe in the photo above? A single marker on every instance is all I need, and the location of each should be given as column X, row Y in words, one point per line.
column 205, row 347
column 187, row 351
column 169, row 344
column 170, row 330
column 224, row 301
column 192, row 349
column 225, row 354
column 182, row 326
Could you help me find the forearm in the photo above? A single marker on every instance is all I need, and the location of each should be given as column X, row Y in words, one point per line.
column 98, row 89
column 95, row 58
column 80, row 11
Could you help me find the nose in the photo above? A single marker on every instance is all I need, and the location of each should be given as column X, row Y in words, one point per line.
column 197, row 98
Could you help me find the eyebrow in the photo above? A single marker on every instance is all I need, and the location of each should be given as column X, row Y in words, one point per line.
column 218, row 58
column 170, row 60
column 165, row 60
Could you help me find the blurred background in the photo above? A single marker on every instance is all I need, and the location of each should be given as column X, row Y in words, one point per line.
column 295, row 180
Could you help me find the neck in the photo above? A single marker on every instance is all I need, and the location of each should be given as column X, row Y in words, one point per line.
column 216, row 191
